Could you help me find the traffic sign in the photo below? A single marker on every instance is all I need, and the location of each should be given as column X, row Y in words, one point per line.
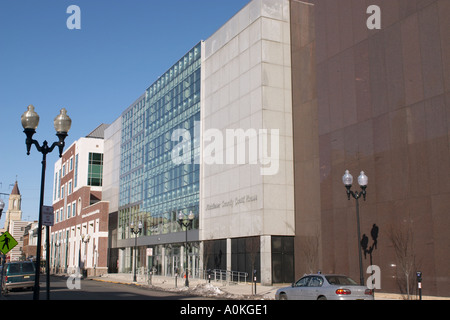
column 7, row 243
column 48, row 217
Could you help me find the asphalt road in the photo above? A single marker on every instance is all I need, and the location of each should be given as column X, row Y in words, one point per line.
column 96, row 290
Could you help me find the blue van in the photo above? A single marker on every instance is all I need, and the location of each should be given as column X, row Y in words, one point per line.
column 19, row 274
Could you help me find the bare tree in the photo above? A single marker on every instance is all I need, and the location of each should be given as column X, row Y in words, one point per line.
column 403, row 243
column 207, row 251
column 253, row 248
column 310, row 250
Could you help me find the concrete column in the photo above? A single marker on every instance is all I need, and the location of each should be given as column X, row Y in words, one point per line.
column 266, row 260
column 201, row 260
column 122, row 255
column 228, row 257
column 163, row 260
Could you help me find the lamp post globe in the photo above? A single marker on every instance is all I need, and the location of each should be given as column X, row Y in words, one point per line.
column 347, row 179
column 62, row 122
column 30, row 119
column 363, row 180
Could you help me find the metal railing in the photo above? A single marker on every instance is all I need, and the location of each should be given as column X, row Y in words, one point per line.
column 228, row 276
column 216, row 275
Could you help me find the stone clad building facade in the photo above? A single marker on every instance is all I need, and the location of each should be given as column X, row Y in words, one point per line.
column 328, row 93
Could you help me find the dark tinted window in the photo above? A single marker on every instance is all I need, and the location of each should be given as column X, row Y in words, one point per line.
column 341, row 280
column 14, row 268
column 27, row 268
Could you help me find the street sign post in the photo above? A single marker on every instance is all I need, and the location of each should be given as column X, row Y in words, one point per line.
column 7, row 243
column 48, row 218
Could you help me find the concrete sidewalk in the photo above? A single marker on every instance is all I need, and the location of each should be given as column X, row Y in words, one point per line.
column 219, row 289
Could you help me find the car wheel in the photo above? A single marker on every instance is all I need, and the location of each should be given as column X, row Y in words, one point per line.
column 322, row 298
column 283, row 296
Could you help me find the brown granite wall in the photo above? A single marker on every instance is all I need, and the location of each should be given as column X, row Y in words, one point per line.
column 378, row 101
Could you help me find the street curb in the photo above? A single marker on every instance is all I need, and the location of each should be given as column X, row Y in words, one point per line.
column 190, row 291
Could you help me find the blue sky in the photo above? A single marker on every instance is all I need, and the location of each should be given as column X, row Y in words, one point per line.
column 95, row 73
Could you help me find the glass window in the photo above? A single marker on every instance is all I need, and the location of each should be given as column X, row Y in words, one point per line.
column 27, row 267
column 149, row 179
column 315, row 282
column 73, row 209
column 76, row 172
column 59, row 184
column 56, row 186
column 303, row 282
column 341, row 280
column 95, row 169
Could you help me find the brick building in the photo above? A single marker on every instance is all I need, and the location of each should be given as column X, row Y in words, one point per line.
column 78, row 239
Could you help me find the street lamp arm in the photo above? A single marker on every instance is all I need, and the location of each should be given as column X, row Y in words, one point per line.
column 44, row 149
column 185, row 224
column 355, row 194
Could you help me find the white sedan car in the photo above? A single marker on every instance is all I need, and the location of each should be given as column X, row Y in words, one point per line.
column 324, row 287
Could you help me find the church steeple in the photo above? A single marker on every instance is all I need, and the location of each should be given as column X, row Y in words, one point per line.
column 15, row 190
column 14, row 211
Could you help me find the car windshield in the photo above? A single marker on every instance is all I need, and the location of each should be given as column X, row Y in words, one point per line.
column 341, row 280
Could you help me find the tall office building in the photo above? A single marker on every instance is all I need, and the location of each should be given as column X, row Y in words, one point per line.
column 291, row 94
column 154, row 189
column 167, row 165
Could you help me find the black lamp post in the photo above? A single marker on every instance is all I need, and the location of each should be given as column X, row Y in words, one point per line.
column 85, row 238
column 186, row 223
column 136, row 233
column 62, row 124
column 2, row 206
column 347, row 179
column 57, row 254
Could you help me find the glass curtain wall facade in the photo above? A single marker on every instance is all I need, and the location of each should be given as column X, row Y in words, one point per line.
column 153, row 188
